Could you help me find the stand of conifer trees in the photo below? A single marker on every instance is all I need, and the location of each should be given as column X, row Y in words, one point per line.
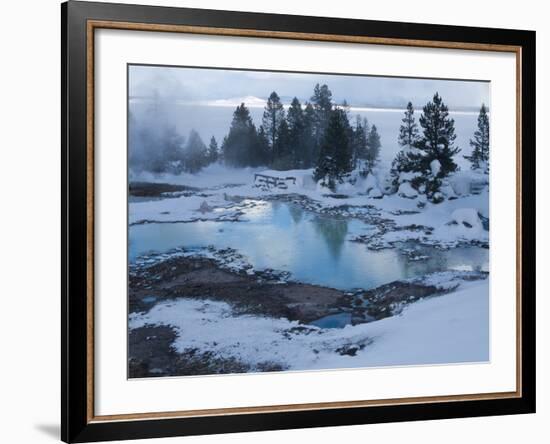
column 319, row 135
column 316, row 135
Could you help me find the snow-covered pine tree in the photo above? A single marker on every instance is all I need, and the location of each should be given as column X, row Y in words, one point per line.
column 407, row 139
column 436, row 145
column 213, row 150
column 480, row 143
column 274, row 113
column 408, row 131
column 335, row 153
column 325, row 171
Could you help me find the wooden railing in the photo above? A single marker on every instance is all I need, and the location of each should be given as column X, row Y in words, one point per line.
column 263, row 180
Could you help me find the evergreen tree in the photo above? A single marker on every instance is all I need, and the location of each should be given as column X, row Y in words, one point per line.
column 309, row 153
column 240, row 145
column 296, row 129
column 408, row 131
column 322, row 99
column 435, row 144
column 359, row 145
column 480, row 143
column 373, row 148
column 196, row 153
column 274, row 114
column 344, row 154
column 221, row 153
column 408, row 139
column 262, row 147
column 213, row 150
column 359, row 140
column 322, row 106
column 283, row 157
column 402, row 163
column 335, row 153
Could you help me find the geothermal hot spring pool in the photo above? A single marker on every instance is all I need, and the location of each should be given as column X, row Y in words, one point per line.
column 314, row 249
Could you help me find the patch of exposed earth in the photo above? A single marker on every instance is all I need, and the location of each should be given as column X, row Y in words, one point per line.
column 151, row 354
column 224, row 275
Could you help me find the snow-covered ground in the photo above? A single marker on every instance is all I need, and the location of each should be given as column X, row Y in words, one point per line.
column 188, row 209
column 445, row 329
column 456, row 220
column 369, row 232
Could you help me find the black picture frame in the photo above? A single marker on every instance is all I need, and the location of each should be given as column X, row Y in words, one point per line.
column 76, row 423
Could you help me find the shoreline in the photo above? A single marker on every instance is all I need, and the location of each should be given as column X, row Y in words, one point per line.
column 220, row 285
column 184, row 275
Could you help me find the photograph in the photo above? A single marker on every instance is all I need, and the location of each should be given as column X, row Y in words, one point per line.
column 300, row 221
column 273, row 220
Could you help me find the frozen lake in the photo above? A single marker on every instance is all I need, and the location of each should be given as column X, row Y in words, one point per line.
column 314, row 249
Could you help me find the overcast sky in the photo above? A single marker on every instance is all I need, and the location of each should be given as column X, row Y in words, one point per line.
column 220, row 86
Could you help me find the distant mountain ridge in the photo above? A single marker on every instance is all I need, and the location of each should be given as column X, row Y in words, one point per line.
column 260, row 102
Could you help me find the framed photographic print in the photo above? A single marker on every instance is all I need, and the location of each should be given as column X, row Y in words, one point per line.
column 276, row 221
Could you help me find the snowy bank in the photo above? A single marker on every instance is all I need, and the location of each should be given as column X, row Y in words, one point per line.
column 448, row 329
column 228, row 194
